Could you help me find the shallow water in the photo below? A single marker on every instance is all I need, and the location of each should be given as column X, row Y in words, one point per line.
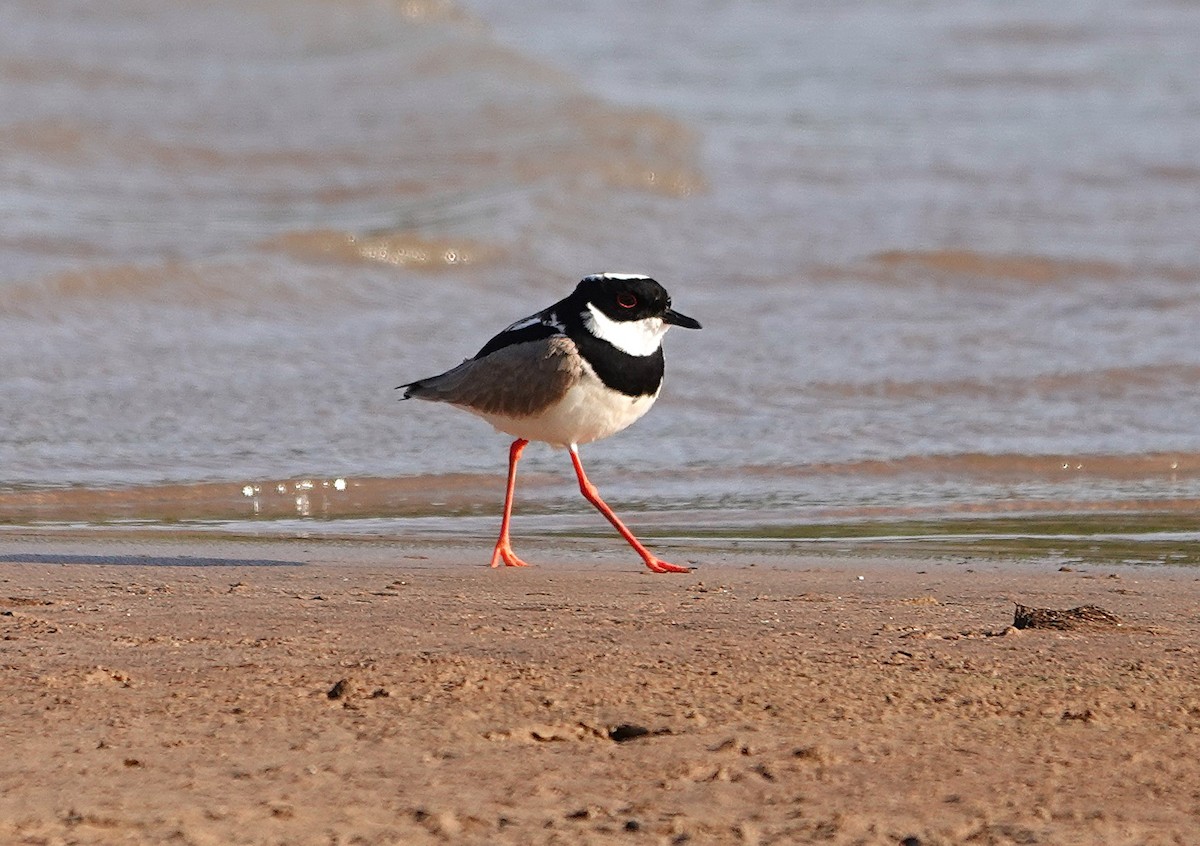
column 945, row 257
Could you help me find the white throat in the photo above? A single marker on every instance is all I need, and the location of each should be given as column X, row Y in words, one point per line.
column 635, row 337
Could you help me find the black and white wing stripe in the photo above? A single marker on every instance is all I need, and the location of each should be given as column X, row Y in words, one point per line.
column 536, row 327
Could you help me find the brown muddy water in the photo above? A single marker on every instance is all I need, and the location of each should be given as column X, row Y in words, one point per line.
column 945, row 257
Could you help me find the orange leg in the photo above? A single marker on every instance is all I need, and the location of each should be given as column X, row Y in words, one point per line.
column 593, row 496
column 504, row 551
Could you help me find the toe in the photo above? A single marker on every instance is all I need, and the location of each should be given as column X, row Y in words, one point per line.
column 659, row 566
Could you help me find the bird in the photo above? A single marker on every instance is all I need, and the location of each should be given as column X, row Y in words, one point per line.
column 580, row 370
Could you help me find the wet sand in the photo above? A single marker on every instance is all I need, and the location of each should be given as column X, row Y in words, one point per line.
column 220, row 692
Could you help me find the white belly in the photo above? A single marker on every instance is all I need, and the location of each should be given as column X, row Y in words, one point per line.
column 588, row 412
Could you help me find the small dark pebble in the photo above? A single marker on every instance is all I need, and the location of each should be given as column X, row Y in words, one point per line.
column 911, row 841
column 379, row 693
column 633, row 825
column 339, row 689
column 627, row 731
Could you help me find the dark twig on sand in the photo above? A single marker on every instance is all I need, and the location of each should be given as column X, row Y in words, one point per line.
column 1083, row 617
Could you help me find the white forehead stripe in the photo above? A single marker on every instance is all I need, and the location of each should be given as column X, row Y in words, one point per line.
column 635, row 337
column 617, row 277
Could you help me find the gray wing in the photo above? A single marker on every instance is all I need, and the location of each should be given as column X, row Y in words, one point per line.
column 517, row 380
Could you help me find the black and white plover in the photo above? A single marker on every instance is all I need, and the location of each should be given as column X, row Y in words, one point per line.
column 581, row 370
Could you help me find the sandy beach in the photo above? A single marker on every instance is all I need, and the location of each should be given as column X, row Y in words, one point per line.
column 291, row 692
column 945, row 258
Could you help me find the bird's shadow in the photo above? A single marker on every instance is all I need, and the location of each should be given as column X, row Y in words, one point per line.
column 145, row 560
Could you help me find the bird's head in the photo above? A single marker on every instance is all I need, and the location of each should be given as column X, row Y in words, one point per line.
column 630, row 311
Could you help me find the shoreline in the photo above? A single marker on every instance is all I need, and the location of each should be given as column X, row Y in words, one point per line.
column 1145, row 533
column 213, row 691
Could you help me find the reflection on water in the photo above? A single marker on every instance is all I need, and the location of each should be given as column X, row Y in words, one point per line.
column 858, row 493
column 945, row 257
column 401, row 249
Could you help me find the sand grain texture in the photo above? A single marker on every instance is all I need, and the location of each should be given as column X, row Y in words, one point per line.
column 363, row 694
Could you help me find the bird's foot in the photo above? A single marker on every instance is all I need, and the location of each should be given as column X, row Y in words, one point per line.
column 504, row 552
column 658, row 566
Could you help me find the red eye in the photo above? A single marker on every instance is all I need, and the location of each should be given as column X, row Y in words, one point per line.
column 626, row 300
